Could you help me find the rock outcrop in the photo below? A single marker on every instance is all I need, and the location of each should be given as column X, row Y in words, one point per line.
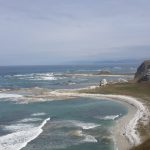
column 121, row 80
column 143, row 72
column 103, row 82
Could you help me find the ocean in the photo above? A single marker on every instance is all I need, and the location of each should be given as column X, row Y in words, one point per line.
column 49, row 124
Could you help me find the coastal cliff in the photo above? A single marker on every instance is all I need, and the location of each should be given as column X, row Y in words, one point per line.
column 143, row 72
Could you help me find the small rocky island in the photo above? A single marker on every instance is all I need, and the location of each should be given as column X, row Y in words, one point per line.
column 143, row 72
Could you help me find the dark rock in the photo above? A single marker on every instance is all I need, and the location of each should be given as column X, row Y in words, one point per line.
column 143, row 72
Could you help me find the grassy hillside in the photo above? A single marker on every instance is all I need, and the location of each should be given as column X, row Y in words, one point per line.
column 140, row 90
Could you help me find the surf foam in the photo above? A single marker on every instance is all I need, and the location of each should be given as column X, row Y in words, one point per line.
column 39, row 114
column 111, row 117
column 87, row 138
column 18, row 140
column 5, row 95
column 30, row 120
column 84, row 125
column 35, row 76
column 18, row 127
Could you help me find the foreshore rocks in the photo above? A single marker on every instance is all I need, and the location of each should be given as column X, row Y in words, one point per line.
column 143, row 72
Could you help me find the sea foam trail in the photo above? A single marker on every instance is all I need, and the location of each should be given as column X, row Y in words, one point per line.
column 30, row 120
column 36, row 76
column 18, row 140
column 84, row 126
column 111, row 117
column 5, row 95
column 18, row 127
column 87, row 138
column 38, row 114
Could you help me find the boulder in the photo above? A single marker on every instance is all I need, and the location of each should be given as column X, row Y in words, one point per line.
column 121, row 80
column 103, row 82
column 143, row 72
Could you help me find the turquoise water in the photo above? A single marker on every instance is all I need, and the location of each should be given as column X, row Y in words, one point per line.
column 71, row 124
column 81, row 123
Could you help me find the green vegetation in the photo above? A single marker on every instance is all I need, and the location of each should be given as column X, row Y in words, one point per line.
column 144, row 146
column 139, row 90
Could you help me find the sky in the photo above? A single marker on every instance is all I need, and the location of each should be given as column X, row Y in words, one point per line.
column 47, row 32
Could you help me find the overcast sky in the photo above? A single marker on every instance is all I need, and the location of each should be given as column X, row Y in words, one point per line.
column 60, row 31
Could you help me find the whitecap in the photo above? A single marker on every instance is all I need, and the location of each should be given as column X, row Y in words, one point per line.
column 84, row 125
column 18, row 127
column 18, row 140
column 44, row 76
column 90, row 139
column 39, row 114
column 36, row 76
column 21, row 75
column 87, row 138
column 110, row 117
column 6, row 95
column 30, row 120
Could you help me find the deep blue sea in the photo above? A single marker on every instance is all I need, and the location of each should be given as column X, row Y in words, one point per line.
column 49, row 124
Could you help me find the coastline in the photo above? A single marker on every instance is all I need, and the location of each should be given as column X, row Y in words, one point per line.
column 125, row 131
column 119, row 129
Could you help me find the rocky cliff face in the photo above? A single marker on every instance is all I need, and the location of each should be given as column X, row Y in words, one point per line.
column 143, row 72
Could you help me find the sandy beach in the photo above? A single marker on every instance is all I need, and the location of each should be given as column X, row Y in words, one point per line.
column 125, row 132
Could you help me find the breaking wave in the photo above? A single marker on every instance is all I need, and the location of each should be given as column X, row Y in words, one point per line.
column 21, row 137
column 83, row 125
column 5, row 95
column 39, row 114
column 86, row 137
column 35, row 76
column 30, row 120
column 110, row 117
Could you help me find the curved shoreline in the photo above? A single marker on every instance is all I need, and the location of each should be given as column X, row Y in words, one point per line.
column 125, row 131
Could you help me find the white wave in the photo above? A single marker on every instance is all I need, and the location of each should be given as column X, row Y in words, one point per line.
column 110, row 117
column 84, row 125
column 18, row 127
column 87, row 138
column 44, row 78
column 5, row 95
column 18, row 140
column 39, row 114
column 21, row 75
column 36, row 76
column 30, row 120
column 90, row 138
column 48, row 78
